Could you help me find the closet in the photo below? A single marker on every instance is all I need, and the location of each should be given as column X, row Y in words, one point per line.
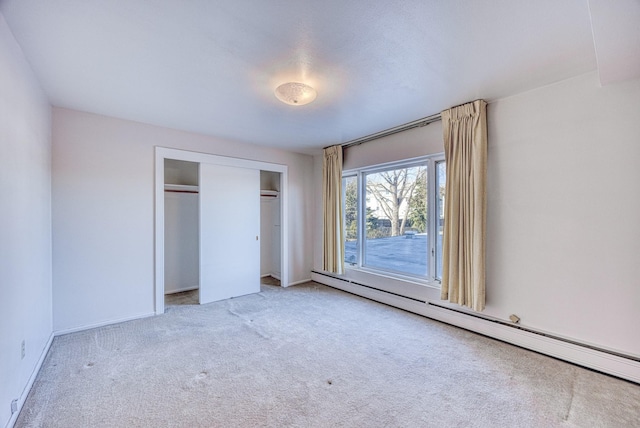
column 270, row 246
column 181, row 230
column 211, row 229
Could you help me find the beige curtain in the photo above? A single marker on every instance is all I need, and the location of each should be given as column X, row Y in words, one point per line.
column 333, row 242
column 463, row 258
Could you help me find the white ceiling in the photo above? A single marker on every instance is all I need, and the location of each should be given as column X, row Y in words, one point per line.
column 211, row 67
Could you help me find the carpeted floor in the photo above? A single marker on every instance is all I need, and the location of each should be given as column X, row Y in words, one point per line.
column 191, row 297
column 311, row 356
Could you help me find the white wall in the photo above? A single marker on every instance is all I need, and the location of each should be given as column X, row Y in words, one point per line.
column 266, row 243
column 270, row 247
column 103, row 187
column 563, row 232
column 425, row 140
column 564, row 209
column 181, row 242
column 276, row 241
column 25, row 221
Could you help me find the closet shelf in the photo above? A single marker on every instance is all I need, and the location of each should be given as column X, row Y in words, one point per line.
column 181, row 188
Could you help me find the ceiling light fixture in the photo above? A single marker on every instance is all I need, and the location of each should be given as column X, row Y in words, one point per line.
column 295, row 93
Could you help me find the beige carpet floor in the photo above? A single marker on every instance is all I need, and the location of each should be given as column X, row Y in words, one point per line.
column 191, row 297
column 311, row 356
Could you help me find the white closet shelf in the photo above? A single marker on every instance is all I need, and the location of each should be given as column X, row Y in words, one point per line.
column 186, row 188
column 270, row 193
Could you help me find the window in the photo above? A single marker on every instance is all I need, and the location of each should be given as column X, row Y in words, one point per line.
column 388, row 224
column 350, row 203
column 441, row 180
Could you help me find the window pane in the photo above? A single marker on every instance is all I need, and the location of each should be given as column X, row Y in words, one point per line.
column 350, row 198
column 441, row 179
column 396, row 220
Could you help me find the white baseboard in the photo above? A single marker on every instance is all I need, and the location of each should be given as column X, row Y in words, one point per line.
column 180, row 290
column 619, row 366
column 302, row 281
column 32, row 378
column 102, row 324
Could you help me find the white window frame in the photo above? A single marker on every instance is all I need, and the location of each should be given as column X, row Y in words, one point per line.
column 360, row 174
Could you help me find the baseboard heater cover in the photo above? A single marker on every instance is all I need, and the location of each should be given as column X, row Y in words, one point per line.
column 539, row 333
column 367, row 286
column 603, row 360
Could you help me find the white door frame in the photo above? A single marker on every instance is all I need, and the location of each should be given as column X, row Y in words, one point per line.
column 162, row 153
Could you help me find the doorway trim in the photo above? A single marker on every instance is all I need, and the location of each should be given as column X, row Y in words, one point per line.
column 162, row 153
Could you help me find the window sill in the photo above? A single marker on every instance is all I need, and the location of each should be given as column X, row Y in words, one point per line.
column 398, row 277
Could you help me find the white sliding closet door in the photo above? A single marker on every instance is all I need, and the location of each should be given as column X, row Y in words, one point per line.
column 229, row 230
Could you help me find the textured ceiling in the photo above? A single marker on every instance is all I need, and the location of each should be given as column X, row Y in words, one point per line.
column 211, row 67
column 616, row 34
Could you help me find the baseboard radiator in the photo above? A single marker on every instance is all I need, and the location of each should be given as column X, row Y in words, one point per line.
column 606, row 361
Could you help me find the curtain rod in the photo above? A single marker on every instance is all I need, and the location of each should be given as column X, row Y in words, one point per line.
column 410, row 125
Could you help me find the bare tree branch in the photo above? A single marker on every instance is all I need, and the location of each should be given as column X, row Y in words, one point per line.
column 391, row 190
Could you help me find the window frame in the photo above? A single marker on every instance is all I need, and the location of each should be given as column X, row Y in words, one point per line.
column 430, row 161
column 436, row 214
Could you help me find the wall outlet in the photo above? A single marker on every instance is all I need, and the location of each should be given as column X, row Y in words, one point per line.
column 14, row 406
column 23, row 350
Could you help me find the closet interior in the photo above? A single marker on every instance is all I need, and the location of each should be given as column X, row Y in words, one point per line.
column 270, row 224
column 182, row 227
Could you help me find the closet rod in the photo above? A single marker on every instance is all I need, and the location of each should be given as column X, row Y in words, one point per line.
column 410, row 125
column 181, row 191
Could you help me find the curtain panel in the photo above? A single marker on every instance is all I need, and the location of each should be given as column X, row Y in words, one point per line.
column 463, row 258
column 333, row 240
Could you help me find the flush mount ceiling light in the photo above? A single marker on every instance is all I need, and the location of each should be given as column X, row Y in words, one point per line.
column 295, row 94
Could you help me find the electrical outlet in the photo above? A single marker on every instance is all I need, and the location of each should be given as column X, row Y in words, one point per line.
column 14, row 406
column 23, row 350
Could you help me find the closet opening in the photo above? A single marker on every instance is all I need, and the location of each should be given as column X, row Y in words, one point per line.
column 270, row 233
column 211, row 215
column 181, row 233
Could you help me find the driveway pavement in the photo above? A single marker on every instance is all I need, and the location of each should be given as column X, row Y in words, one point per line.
column 398, row 253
